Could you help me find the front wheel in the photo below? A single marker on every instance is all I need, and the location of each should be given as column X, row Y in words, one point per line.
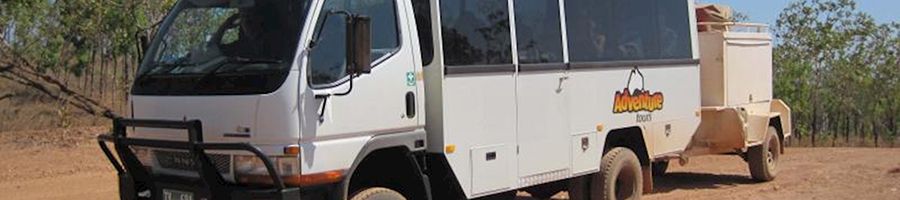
column 763, row 159
column 620, row 176
column 378, row 193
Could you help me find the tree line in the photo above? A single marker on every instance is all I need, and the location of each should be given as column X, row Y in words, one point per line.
column 81, row 52
column 834, row 65
column 839, row 71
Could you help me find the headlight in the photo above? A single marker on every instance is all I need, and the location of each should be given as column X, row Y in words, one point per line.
column 251, row 170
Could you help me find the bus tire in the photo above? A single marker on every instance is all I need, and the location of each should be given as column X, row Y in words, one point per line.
column 620, row 176
column 763, row 159
column 378, row 193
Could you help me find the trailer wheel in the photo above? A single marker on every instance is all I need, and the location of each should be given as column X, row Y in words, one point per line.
column 378, row 193
column 659, row 168
column 763, row 159
column 619, row 177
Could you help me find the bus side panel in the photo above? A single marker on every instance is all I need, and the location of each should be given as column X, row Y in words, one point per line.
column 597, row 91
column 480, row 121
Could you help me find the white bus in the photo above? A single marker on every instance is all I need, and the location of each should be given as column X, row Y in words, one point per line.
column 426, row 99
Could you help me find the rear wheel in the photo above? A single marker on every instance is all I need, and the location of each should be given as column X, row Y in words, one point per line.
column 378, row 193
column 763, row 159
column 620, row 176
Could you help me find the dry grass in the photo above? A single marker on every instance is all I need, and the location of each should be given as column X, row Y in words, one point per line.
column 854, row 141
column 24, row 109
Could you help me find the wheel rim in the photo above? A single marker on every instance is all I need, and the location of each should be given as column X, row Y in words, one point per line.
column 625, row 185
column 772, row 155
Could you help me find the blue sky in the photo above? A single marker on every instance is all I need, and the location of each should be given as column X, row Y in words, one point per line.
column 766, row 11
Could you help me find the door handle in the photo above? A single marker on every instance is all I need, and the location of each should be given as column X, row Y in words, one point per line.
column 559, row 87
column 410, row 105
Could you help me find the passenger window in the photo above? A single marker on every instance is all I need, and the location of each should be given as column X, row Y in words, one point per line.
column 538, row 31
column 476, row 32
column 634, row 33
column 674, row 30
column 422, row 10
column 327, row 58
column 588, row 24
column 627, row 30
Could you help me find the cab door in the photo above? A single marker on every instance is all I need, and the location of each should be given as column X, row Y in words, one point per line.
column 375, row 103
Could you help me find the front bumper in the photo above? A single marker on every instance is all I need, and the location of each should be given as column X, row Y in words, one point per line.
column 136, row 182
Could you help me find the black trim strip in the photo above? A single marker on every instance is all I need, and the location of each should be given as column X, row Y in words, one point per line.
column 237, row 135
column 640, row 63
column 542, row 67
column 471, row 69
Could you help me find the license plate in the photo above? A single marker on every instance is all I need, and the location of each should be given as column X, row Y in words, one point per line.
column 177, row 195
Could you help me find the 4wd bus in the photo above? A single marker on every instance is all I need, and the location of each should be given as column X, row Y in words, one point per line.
column 438, row 99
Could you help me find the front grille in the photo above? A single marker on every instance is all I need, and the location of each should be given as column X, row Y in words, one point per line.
column 178, row 160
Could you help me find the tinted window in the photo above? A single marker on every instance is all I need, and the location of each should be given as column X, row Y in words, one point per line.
column 538, row 33
column 328, row 57
column 625, row 30
column 422, row 9
column 476, row 32
column 633, row 34
column 674, row 30
column 588, row 23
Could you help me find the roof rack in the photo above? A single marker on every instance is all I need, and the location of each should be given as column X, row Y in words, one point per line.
column 733, row 27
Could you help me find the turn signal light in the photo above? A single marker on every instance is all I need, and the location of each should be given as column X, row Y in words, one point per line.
column 450, row 148
column 297, row 180
column 292, row 150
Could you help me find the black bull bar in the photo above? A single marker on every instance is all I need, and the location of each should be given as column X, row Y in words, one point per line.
column 136, row 182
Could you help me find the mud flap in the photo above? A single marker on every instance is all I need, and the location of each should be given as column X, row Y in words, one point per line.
column 647, row 174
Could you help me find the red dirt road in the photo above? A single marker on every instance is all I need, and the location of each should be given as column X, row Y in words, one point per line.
column 805, row 173
column 52, row 165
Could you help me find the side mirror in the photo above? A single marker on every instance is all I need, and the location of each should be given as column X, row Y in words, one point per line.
column 143, row 43
column 359, row 44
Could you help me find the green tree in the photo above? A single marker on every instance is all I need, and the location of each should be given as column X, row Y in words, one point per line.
column 43, row 39
column 837, row 68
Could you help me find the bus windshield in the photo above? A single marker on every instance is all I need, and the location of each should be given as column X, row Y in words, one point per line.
column 229, row 49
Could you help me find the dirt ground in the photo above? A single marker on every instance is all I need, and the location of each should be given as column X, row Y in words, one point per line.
column 67, row 164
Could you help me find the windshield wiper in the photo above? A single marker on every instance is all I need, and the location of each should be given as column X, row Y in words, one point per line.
column 236, row 60
column 167, row 67
column 240, row 60
column 245, row 60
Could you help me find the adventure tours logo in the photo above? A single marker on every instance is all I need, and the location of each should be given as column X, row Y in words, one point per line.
column 637, row 100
